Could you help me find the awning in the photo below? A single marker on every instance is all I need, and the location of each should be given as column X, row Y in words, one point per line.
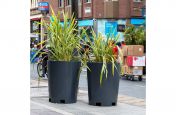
column 137, row 21
column 85, row 23
column 36, row 16
column 34, row 19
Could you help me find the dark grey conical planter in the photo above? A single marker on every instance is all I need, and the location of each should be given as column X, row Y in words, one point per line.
column 63, row 81
column 106, row 93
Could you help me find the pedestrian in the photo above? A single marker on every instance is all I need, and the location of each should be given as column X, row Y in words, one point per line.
column 114, row 48
column 87, row 49
column 123, row 44
column 33, row 53
column 119, row 44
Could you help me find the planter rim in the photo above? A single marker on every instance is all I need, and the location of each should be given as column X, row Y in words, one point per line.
column 102, row 62
column 63, row 61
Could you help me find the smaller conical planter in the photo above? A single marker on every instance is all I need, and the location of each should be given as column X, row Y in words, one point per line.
column 63, row 81
column 105, row 94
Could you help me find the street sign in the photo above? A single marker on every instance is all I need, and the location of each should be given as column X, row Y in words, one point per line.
column 43, row 6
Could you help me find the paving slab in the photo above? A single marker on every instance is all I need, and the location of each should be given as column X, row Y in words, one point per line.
column 40, row 104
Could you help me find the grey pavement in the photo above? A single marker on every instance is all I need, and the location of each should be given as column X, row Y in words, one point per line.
column 39, row 110
column 131, row 99
column 131, row 88
column 41, row 106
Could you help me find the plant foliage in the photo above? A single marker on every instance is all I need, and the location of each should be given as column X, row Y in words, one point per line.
column 135, row 35
column 62, row 39
column 101, row 50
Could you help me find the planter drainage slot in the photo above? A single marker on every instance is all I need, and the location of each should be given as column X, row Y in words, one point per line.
column 62, row 101
column 98, row 104
column 113, row 104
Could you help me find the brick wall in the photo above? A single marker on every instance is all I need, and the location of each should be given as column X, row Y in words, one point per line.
column 124, row 8
column 136, row 8
column 87, row 10
column 98, row 8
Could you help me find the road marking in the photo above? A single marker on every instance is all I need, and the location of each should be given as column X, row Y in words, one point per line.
column 52, row 108
column 140, row 85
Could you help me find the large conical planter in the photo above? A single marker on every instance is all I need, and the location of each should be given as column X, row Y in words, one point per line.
column 105, row 94
column 63, row 81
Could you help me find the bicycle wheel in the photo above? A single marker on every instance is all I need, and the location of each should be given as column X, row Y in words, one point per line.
column 39, row 70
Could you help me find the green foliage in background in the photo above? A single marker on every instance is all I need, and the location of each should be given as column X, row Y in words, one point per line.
column 135, row 35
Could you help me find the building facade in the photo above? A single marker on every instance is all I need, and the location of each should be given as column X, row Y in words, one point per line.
column 36, row 16
column 104, row 16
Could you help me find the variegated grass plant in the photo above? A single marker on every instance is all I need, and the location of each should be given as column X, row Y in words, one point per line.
column 102, row 51
column 62, row 38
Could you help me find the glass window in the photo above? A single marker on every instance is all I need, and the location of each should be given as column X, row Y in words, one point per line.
column 88, row 1
column 137, row 0
column 61, row 3
column 121, row 28
column 69, row 2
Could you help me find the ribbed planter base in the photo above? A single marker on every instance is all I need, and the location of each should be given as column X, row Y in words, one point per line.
column 106, row 93
column 63, row 81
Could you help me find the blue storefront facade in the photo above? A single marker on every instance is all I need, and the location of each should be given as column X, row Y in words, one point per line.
column 137, row 22
column 106, row 26
column 109, row 26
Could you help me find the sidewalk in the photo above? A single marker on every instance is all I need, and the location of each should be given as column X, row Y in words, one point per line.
column 41, row 106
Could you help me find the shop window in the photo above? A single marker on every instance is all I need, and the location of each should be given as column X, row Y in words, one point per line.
column 61, row 3
column 35, row 27
column 121, row 28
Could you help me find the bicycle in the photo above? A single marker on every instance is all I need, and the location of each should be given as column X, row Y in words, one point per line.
column 42, row 66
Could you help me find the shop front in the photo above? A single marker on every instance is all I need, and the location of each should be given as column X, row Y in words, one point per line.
column 111, row 28
column 35, row 31
column 137, row 22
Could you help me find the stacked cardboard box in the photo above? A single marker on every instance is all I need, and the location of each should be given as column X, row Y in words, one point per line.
column 125, row 50
column 135, row 70
column 133, row 60
column 133, row 50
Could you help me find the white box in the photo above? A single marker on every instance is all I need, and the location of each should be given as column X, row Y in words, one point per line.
column 137, row 72
column 138, row 61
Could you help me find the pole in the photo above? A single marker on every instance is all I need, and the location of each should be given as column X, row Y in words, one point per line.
column 75, row 8
column 75, row 11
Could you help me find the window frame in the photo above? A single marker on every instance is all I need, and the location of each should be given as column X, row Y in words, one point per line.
column 88, row 1
column 122, row 26
column 68, row 2
column 137, row 1
column 61, row 5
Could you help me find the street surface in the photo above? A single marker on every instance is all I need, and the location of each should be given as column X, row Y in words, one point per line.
column 131, row 99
